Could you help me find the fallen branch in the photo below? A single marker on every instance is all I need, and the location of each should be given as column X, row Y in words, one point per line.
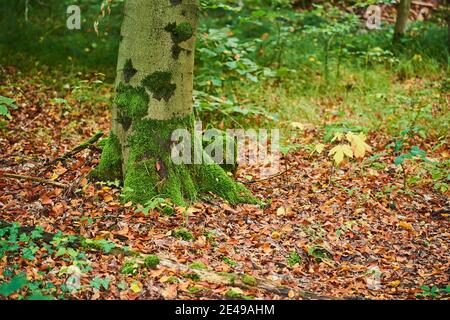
column 79, row 148
column 41, row 180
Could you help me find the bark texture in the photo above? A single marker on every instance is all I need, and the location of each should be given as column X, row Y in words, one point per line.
column 402, row 19
column 154, row 87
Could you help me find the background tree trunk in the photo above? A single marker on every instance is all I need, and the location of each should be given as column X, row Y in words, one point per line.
column 154, row 87
column 403, row 10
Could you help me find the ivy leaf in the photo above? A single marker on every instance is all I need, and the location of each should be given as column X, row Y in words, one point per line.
column 340, row 151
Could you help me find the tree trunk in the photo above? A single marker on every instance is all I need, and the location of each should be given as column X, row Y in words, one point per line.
column 402, row 19
column 154, row 87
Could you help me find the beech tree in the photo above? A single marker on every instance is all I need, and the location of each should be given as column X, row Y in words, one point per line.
column 402, row 19
column 154, row 85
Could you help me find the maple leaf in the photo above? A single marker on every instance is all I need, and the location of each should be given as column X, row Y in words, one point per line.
column 340, row 151
column 358, row 144
column 337, row 136
column 318, row 148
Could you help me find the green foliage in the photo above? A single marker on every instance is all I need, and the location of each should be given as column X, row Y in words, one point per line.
column 99, row 283
column 130, row 267
column 433, row 292
column 16, row 283
column 5, row 105
column 110, row 166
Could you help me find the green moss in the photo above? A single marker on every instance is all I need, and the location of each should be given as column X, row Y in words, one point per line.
column 248, row 280
column 182, row 32
column 150, row 171
column 193, row 290
column 193, row 276
column 198, row 266
column 159, row 83
column 128, row 71
column 229, row 261
column 172, row 279
column 110, row 166
column 179, row 33
column 236, row 295
column 212, row 178
column 131, row 102
column 230, row 276
column 150, row 148
column 183, row 234
column 151, row 261
column 220, row 139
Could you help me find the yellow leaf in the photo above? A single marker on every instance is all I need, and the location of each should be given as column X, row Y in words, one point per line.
column 394, row 283
column 405, row 225
column 319, row 148
column 358, row 144
column 281, row 211
column 340, row 151
column 276, row 235
column 337, row 136
column 297, row 125
column 135, row 286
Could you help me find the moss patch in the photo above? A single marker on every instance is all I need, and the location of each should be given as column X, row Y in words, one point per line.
column 128, row 71
column 179, row 33
column 110, row 166
column 198, row 266
column 150, row 170
column 151, row 261
column 132, row 102
column 248, row 280
column 159, row 83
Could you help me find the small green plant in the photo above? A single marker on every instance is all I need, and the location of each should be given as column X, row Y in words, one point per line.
column 5, row 105
column 183, row 234
column 293, row 259
column 319, row 253
column 229, row 262
column 130, row 267
column 99, row 282
column 151, row 261
column 159, row 204
column 433, row 292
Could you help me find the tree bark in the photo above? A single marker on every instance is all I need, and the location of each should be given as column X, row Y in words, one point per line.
column 403, row 10
column 154, row 87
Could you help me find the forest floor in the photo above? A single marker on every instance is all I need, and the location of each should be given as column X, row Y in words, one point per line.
column 346, row 239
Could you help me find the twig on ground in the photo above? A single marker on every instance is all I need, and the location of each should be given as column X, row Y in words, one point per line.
column 41, row 180
column 79, row 148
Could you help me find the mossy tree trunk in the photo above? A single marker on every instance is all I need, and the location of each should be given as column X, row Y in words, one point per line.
column 154, row 87
column 402, row 19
